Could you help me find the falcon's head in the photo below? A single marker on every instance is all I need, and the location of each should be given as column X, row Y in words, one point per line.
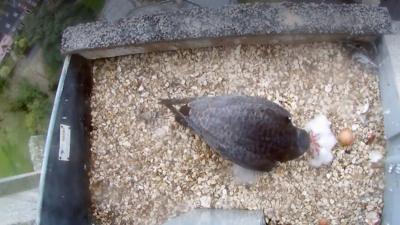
column 304, row 142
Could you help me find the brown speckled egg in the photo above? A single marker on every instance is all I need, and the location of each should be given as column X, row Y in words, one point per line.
column 323, row 221
column 346, row 137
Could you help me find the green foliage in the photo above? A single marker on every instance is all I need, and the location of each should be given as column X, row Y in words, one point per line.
column 36, row 104
column 3, row 84
column 26, row 95
column 8, row 61
column 53, row 59
column 6, row 68
column 36, row 119
column 6, row 158
column 10, row 161
column 53, row 80
column 5, row 72
column 2, row 7
column 47, row 24
column 95, row 5
column 14, row 157
column 21, row 45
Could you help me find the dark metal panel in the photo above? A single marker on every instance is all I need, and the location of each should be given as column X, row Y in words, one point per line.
column 66, row 196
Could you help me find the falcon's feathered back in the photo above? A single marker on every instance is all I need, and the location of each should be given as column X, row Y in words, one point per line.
column 250, row 131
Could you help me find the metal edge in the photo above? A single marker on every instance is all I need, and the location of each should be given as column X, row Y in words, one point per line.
column 50, row 132
column 390, row 100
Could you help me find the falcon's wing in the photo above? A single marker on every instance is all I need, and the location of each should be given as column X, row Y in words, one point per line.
column 251, row 124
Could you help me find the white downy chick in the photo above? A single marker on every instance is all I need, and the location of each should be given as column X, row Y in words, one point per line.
column 323, row 140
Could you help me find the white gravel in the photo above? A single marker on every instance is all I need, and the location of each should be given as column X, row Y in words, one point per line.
column 146, row 168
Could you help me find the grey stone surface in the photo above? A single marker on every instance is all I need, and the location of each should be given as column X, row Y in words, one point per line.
column 114, row 10
column 213, row 3
column 371, row 2
column 20, row 208
column 219, row 216
column 215, row 26
column 160, row 8
column 396, row 27
column 36, row 148
column 18, row 183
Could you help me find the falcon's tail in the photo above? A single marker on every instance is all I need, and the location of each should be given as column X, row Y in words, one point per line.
column 183, row 112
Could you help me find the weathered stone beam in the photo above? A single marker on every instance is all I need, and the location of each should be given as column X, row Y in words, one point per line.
column 233, row 24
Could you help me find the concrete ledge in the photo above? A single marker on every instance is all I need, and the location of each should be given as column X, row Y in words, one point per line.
column 22, row 182
column 19, row 208
column 243, row 23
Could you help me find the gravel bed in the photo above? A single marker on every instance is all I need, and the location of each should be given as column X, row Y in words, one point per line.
column 146, row 168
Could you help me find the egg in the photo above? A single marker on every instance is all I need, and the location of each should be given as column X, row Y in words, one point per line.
column 323, row 221
column 346, row 137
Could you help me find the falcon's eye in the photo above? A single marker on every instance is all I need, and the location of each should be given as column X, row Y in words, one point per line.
column 287, row 120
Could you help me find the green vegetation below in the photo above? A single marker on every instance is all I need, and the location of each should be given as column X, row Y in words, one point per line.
column 35, row 104
column 45, row 26
column 14, row 154
column 6, row 67
column 24, row 110
column 21, row 116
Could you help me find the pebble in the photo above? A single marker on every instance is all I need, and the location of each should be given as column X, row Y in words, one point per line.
column 147, row 168
column 328, row 88
column 205, row 201
column 375, row 156
column 372, row 218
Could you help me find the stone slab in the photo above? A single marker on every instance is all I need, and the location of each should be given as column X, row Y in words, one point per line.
column 219, row 216
column 18, row 183
column 202, row 27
